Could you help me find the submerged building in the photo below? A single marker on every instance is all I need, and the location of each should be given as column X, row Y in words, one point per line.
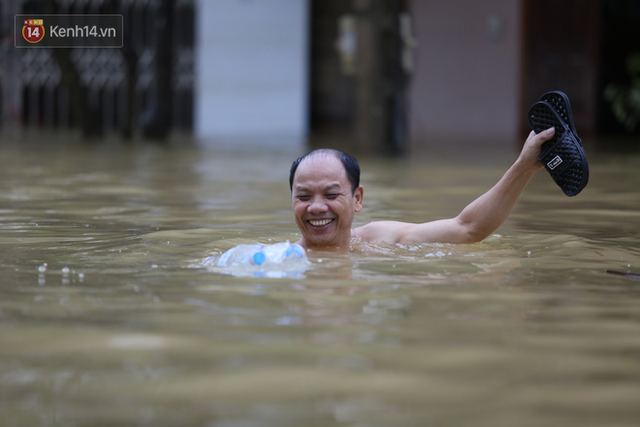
column 374, row 75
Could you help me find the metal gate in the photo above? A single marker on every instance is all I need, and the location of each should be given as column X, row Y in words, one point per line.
column 143, row 89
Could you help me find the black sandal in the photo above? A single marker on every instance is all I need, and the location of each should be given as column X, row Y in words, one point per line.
column 562, row 156
column 560, row 102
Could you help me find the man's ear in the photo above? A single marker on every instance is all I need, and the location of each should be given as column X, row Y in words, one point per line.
column 359, row 194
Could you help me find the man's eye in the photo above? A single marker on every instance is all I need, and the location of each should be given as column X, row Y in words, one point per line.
column 332, row 196
column 304, row 198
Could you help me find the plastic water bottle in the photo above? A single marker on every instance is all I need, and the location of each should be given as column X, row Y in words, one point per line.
column 283, row 254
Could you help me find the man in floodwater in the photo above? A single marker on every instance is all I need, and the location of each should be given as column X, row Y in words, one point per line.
column 326, row 194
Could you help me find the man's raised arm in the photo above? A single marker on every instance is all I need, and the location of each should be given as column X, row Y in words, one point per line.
column 476, row 221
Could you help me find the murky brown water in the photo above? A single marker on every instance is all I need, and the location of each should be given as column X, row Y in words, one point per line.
column 107, row 319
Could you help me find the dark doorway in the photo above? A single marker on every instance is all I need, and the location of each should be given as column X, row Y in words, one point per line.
column 561, row 53
column 332, row 87
column 620, row 40
column 358, row 83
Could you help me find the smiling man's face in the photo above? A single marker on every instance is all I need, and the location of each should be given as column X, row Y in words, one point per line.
column 323, row 204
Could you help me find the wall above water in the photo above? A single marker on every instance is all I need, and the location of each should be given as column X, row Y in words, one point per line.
column 466, row 85
column 252, row 68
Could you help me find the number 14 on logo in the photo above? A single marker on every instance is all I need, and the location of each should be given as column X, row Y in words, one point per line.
column 33, row 30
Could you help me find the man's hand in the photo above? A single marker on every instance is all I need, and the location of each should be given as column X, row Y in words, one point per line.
column 531, row 149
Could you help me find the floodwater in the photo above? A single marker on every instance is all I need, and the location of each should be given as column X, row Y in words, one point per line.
column 108, row 317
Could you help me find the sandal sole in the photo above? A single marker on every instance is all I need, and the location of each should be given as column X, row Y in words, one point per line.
column 562, row 156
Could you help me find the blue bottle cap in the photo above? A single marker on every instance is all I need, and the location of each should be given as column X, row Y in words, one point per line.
column 259, row 258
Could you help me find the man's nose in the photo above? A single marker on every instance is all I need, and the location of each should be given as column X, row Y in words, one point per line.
column 317, row 205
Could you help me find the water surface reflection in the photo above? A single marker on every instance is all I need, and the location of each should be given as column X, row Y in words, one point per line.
column 108, row 319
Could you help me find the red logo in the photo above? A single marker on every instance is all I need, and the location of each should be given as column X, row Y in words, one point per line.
column 33, row 30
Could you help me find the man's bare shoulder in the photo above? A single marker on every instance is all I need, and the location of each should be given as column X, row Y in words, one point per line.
column 380, row 231
column 438, row 231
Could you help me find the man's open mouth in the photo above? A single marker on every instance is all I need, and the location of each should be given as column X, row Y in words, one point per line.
column 320, row 222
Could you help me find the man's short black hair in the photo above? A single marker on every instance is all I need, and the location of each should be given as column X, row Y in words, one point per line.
column 351, row 166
